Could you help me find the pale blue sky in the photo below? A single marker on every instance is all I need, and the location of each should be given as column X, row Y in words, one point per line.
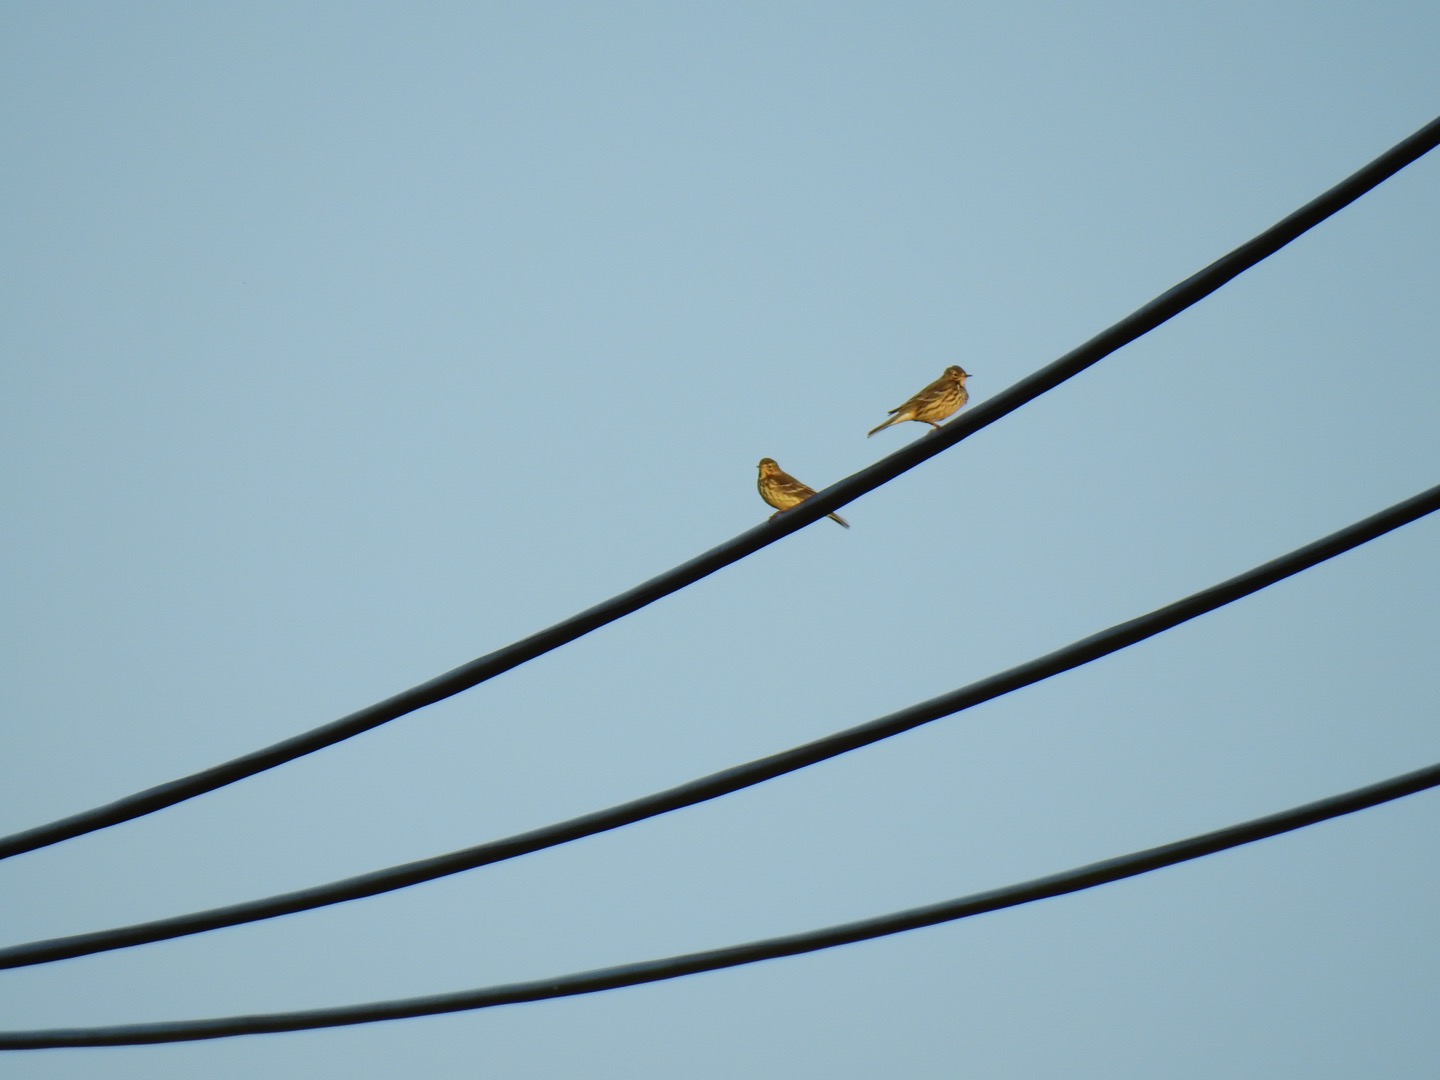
column 343, row 343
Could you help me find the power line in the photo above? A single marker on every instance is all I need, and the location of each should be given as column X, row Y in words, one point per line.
column 1140, row 322
column 741, row 776
column 613, row 978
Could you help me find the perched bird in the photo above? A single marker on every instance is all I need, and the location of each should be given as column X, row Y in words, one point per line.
column 937, row 401
column 782, row 491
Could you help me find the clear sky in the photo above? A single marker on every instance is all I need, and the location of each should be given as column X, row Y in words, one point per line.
column 342, row 343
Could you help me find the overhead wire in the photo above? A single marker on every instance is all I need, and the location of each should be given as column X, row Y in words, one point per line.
column 1143, row 320
column 734, row 779
column 635, row 974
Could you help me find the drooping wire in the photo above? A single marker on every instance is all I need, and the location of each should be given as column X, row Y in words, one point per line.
column 501, row 660
column 613, row 978
column 741, row 776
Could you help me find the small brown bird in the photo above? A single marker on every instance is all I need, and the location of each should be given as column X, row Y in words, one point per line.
column 782, row 491
column 937, row 401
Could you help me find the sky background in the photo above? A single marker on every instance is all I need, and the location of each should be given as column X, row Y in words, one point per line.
column 343, row 343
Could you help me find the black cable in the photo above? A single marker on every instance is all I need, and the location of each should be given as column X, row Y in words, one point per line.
column 741, row 776
column 1164, row 307
column 612, row 978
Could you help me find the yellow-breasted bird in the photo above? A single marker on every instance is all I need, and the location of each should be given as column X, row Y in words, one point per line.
column 937, row 401
column 782, row 491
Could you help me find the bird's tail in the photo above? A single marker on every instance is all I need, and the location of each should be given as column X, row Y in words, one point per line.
column 837, row 517
column 893, row 420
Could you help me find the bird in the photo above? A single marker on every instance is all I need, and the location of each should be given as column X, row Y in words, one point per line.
column 937, row 401
column 782, row 491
